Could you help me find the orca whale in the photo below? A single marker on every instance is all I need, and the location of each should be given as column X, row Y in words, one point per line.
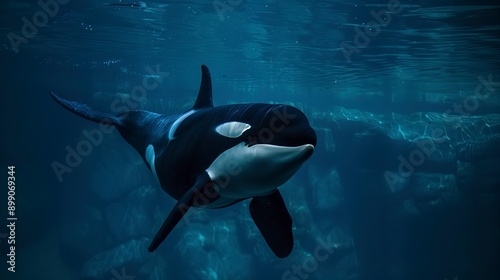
column 214, row 157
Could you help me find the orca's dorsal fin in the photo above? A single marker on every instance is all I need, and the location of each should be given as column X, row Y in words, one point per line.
column 204, row 99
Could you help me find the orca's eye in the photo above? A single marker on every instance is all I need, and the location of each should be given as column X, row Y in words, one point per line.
column 232, row 129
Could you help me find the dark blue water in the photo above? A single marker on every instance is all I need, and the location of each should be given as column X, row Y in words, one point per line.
column 404, row 182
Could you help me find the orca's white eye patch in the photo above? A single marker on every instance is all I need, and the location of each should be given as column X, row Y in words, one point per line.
column 232, row 129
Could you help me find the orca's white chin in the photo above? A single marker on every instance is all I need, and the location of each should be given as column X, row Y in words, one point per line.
column 243, row 172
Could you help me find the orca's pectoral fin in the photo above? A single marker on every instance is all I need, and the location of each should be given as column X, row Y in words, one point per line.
column 200, row 195
column 85, row 111
column 274, row 222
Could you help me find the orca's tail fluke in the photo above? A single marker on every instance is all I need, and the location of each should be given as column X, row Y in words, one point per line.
column 86, row 112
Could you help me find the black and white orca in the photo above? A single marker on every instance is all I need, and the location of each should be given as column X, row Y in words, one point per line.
column 217, row 156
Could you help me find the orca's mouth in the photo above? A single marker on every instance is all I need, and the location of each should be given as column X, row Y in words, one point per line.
column 290, row 138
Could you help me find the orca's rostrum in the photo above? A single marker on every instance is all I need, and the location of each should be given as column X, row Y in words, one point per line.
column 217, row 156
